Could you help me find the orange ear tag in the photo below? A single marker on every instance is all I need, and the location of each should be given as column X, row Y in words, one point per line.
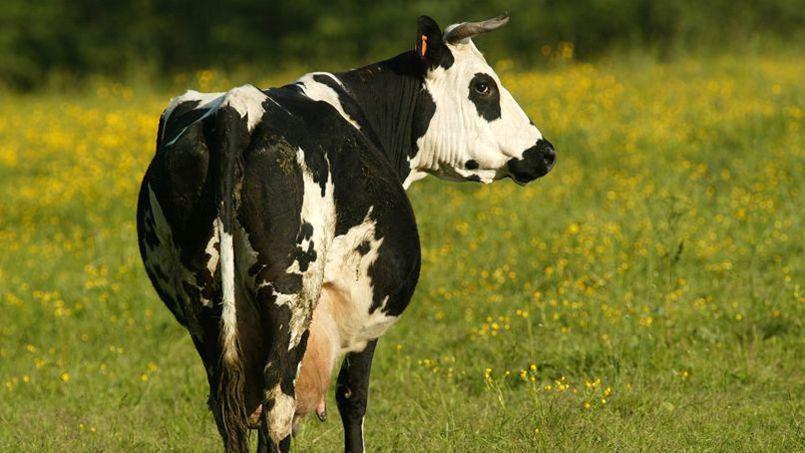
column 424, row 46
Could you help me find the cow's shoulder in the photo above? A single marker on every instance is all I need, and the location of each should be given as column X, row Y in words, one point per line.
column 326, row 87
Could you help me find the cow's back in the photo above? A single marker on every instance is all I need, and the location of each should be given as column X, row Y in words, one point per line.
column 292, row 132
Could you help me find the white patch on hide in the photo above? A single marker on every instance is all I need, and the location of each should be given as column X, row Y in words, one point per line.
column 321, row 92
column 205, row 101
column 319, row 211
column 229, row 318
column 212, row 262
column 347, row 273
column 280, row 417
column 247, row 100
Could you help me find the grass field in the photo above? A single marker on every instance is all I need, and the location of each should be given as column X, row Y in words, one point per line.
column 646, row 295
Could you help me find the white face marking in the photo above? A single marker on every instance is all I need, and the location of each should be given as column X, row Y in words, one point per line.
column 321, row 92
column 458, row 133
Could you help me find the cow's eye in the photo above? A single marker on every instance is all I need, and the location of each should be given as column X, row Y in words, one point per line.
column 481, row 87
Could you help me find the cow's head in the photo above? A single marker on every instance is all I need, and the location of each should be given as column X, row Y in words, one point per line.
column 477, row 131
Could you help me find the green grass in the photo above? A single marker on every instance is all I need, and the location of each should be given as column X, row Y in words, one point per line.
column 658, row 268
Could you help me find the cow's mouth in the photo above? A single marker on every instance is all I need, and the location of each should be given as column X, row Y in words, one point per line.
column 519, row 181
column 536, row 162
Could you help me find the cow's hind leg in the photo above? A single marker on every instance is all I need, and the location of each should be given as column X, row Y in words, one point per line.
column 352, row 393
column 286, row 319
column 287, row 214
column 287, row 273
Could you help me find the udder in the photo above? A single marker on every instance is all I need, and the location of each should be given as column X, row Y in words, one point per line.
column 322, row 350
column 315, row 373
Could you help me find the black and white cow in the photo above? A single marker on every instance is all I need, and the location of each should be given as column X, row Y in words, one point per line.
column 274, row 224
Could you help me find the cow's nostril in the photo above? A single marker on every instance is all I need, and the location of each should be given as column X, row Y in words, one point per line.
column 550, row 157
column 548, row 154
column 537, row 161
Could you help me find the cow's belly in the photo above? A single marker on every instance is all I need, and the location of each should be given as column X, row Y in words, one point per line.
column 355, row 325
column 343, row 320
column 348, row 291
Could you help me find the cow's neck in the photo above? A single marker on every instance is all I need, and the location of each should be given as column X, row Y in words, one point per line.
column 386, row 93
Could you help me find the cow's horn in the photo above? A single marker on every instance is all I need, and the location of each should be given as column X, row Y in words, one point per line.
column 470, row 29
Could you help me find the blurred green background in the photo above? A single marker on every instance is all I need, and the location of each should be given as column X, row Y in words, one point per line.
column 646, row 295
column 69, row 40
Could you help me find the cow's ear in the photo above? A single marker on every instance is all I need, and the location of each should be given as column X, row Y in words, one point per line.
column 430, row 48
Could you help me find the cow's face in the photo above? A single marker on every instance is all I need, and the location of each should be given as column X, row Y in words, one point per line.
column 477, row 132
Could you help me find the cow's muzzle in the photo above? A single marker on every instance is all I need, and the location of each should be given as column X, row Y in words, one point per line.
column 536, row 162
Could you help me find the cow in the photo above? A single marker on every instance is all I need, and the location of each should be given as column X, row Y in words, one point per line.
column 275, row 225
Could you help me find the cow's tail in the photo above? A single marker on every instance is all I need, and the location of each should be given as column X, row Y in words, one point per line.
column 228, row 138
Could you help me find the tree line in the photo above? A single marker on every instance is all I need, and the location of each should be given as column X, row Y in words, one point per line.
column 113, row 38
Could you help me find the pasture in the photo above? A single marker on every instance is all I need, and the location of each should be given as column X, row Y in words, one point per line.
column 645, row 295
